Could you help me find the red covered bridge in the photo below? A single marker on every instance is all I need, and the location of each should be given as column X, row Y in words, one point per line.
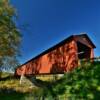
column 60, row 58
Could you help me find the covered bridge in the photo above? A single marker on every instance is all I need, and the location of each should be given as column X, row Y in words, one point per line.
column 60, row 58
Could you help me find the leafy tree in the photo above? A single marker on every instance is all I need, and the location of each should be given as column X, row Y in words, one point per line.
column 10, row 36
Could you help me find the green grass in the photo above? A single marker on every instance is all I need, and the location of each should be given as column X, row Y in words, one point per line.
column 15, row 85
column 82, row 83
column 11, row 89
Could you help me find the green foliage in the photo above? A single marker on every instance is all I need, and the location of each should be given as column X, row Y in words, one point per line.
column 83, row 83
column 10, row 37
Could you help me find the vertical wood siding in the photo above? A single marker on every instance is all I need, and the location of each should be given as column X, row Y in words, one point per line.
column 60, row 60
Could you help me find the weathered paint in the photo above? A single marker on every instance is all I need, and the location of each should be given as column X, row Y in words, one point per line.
column 59, row 60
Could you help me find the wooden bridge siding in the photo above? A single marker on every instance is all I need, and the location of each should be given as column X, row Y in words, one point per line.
column 63, row 58
column 92, row 53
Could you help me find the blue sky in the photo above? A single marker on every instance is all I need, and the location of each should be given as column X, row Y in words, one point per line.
column 51, row 21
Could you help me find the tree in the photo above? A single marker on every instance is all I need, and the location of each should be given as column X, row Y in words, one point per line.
column 10, row 36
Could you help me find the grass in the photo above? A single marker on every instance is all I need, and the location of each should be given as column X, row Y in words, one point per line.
column 14, row 84
column 12, row 96
column 82, row 82
column 11, row 89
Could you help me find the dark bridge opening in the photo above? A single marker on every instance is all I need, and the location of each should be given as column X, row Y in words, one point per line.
column 83, row 51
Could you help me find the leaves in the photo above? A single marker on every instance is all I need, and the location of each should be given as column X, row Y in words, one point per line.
column 85, row 82
column 81, row 83
column 10, row 36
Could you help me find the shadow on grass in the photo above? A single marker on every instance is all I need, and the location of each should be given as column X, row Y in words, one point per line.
column 11, row 94
column 8, row 78
column 52, row 88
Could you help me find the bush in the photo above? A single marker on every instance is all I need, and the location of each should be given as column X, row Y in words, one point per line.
column 81, row 83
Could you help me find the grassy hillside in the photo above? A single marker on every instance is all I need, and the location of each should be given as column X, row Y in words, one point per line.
column 83, row 83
